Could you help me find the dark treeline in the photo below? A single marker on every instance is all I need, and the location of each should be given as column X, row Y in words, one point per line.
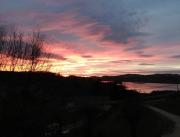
column 155, row 78
column 20, row 51
column 52, row 83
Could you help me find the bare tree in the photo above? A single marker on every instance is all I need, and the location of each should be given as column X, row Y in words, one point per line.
column 3, row 36
column 36, row 50
column 44, row 62
column 15, row 49
column 20, row 52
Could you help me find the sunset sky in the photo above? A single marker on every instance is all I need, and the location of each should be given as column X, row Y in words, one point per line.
column 103, row 37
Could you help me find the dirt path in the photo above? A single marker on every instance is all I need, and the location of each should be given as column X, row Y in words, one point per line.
column 174, row 118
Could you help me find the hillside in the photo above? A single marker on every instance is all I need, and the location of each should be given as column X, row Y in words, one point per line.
column 155, row 78
column 49, row 105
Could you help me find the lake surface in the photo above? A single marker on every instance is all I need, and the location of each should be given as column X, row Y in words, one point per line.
column 149, row 87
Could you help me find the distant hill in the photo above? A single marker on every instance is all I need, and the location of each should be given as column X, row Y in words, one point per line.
column 46, row 77
column 155, row 78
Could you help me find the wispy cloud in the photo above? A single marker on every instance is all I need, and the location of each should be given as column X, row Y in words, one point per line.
column 142, row 54
column 87, row 56
column 175, row 56
column 146, row 64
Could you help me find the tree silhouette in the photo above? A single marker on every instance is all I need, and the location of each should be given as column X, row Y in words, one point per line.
column 22, row 52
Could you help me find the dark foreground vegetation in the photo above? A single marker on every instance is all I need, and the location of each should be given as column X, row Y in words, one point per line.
column 48, row 105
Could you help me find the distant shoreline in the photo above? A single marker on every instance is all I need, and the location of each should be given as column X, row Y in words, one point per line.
column 154, row 78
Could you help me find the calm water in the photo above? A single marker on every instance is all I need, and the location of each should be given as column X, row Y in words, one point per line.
column 149, row 87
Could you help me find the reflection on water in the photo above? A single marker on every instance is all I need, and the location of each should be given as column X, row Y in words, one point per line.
column 149, row 87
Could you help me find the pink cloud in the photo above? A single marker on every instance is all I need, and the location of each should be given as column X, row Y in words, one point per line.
column 104, row 53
